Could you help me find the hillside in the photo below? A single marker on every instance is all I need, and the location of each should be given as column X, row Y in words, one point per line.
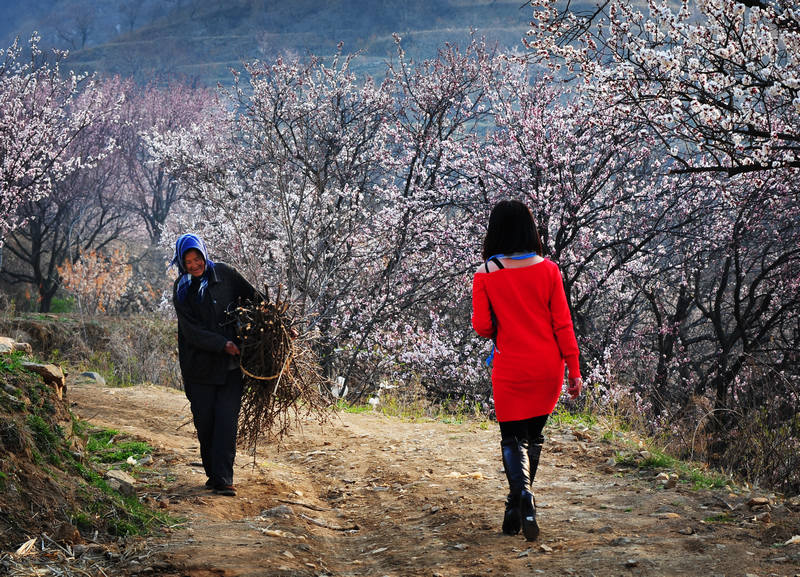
column 202, row 39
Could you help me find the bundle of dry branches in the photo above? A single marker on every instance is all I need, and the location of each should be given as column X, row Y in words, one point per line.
column 281, row 375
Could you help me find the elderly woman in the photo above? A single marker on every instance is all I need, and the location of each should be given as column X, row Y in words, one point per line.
column 204, row 294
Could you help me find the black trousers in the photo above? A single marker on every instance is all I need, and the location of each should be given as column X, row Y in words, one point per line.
column 215, row 410
column 530, row 429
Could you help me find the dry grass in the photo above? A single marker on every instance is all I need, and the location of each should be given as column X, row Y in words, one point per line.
column 281, row 374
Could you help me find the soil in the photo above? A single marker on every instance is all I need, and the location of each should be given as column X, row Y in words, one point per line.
column 372, row 495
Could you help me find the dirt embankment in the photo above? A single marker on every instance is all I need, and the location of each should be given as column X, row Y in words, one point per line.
column 371, row 495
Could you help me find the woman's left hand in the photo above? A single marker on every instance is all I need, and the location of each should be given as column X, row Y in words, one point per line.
column 575, row 386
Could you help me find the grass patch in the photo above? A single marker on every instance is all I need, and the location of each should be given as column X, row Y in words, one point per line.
column 103, row 447
column 394, row 406
column 697, row 476
column 721, row 518
column 416, row 408
column 458, row 411
column 121, row 515
column 49, row 441
column 81, row 520
column 625, row 459
column 12, row 363
column 701, row 479
column 657, row 460
column 342, row 405
column 566, row 418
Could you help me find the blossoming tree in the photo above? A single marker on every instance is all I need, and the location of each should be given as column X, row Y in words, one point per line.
column 716, row 80
column 40, row 116
column 82, row 209
column 715, row 85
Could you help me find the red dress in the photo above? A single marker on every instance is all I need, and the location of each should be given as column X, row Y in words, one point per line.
column 534, row 337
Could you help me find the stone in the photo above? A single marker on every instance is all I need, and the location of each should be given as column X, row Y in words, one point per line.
column 582, row 434
column 756, row 502
column 90, row 377
column 668, row 515
column 51, row 374
column 67, row 533
column 279, row 511
column 9, row 345
column 23, row 348
column 126, row 482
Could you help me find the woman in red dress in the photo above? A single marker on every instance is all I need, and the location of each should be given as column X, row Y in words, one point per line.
column 518, row 300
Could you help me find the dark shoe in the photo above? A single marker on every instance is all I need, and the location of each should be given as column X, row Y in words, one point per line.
column 530, row 528
column 227, row 490
column 512, row 520
column 209, row 484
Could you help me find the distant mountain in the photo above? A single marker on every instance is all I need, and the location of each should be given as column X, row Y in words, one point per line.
column 203, row 39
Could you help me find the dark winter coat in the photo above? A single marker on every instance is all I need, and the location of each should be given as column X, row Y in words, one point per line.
column 205, row 326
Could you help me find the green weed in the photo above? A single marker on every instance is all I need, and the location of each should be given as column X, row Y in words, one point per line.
column 47, row 440
column 82, row 521
column 125, row 515
column 657, row 460
column 700, row 479
column 12, row 363
column 355, row 409
column 103, row 447
column 562, row 417
column 625, row 459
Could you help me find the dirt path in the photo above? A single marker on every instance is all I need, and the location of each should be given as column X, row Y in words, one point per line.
column 371, row 495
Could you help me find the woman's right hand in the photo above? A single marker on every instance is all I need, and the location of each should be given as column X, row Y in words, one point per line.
column 231, row 348
column 575, row 386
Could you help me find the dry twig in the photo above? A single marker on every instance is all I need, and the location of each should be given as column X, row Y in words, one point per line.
column 281, row 375
column 321, row 523
column 301, row 504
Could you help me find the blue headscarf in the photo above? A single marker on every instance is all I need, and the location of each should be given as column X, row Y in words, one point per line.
column 186, row 242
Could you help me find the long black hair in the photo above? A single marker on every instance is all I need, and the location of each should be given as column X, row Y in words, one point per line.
column 511, row 229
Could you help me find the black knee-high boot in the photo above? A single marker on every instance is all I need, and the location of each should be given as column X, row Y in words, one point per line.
column 515, row 462
column 534, row 452
column 530, row 527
